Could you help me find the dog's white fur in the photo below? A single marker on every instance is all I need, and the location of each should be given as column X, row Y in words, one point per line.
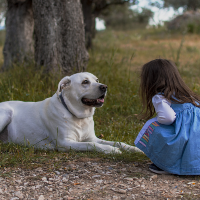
column 48, row 124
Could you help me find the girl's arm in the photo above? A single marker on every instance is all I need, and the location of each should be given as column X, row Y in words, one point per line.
column 165, row 114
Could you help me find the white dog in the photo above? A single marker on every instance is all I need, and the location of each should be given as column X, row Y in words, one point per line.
column 63, row 122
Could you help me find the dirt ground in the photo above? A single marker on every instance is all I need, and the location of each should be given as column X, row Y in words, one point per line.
column 88, row 178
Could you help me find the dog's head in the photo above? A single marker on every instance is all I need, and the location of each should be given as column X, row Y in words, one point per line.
column 81, row 93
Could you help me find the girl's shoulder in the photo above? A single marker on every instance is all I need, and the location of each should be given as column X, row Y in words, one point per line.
column 178, row 107
column 159, row 98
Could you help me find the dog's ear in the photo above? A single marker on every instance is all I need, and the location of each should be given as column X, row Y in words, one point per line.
column 64, row 83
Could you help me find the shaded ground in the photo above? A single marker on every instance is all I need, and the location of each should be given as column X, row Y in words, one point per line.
column 92, row 178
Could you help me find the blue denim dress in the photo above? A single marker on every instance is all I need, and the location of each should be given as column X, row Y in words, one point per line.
column 175, row 148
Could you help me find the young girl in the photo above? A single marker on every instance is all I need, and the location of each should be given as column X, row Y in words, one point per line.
column 172, row 139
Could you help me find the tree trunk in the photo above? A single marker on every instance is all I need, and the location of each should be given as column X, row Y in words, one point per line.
column 19, row 45
column 89, row 21
column 59, row 35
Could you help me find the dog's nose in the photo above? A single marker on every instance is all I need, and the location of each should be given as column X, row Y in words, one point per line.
column 103, row 88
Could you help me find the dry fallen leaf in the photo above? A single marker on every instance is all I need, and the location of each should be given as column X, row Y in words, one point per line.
column 76, row 183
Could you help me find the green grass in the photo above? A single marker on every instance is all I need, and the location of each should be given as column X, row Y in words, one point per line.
column 116, row 60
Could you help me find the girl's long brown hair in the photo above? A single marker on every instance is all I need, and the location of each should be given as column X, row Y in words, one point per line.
column 162, row 76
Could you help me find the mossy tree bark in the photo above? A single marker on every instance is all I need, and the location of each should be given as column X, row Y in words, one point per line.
column 59, row 35
column 19, row 44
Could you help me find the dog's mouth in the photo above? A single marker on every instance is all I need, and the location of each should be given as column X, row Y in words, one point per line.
column 94, row 102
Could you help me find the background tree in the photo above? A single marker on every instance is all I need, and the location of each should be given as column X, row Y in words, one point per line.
column 89, row 21
column 186, row 4
column 19, row 32
column 123, row 17
column 93, row 9
column 189, row 21
column 59, row 35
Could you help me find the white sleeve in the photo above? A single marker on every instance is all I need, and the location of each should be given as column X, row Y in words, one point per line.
column 165, row 114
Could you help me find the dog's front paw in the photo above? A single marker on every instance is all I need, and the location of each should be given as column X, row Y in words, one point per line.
column 134, row 149
column 114, row 150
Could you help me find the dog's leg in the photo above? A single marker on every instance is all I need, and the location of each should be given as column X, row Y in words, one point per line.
column 5, row 117
column 86, row 146
column 120, row 145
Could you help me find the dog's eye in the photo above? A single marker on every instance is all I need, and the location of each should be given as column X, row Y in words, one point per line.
column 97, row 80
column 85, row 82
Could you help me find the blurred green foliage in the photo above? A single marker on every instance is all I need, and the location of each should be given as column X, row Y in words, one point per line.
column 123, row 17
column 186, row 4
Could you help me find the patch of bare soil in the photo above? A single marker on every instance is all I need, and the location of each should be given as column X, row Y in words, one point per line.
column 97, row 179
